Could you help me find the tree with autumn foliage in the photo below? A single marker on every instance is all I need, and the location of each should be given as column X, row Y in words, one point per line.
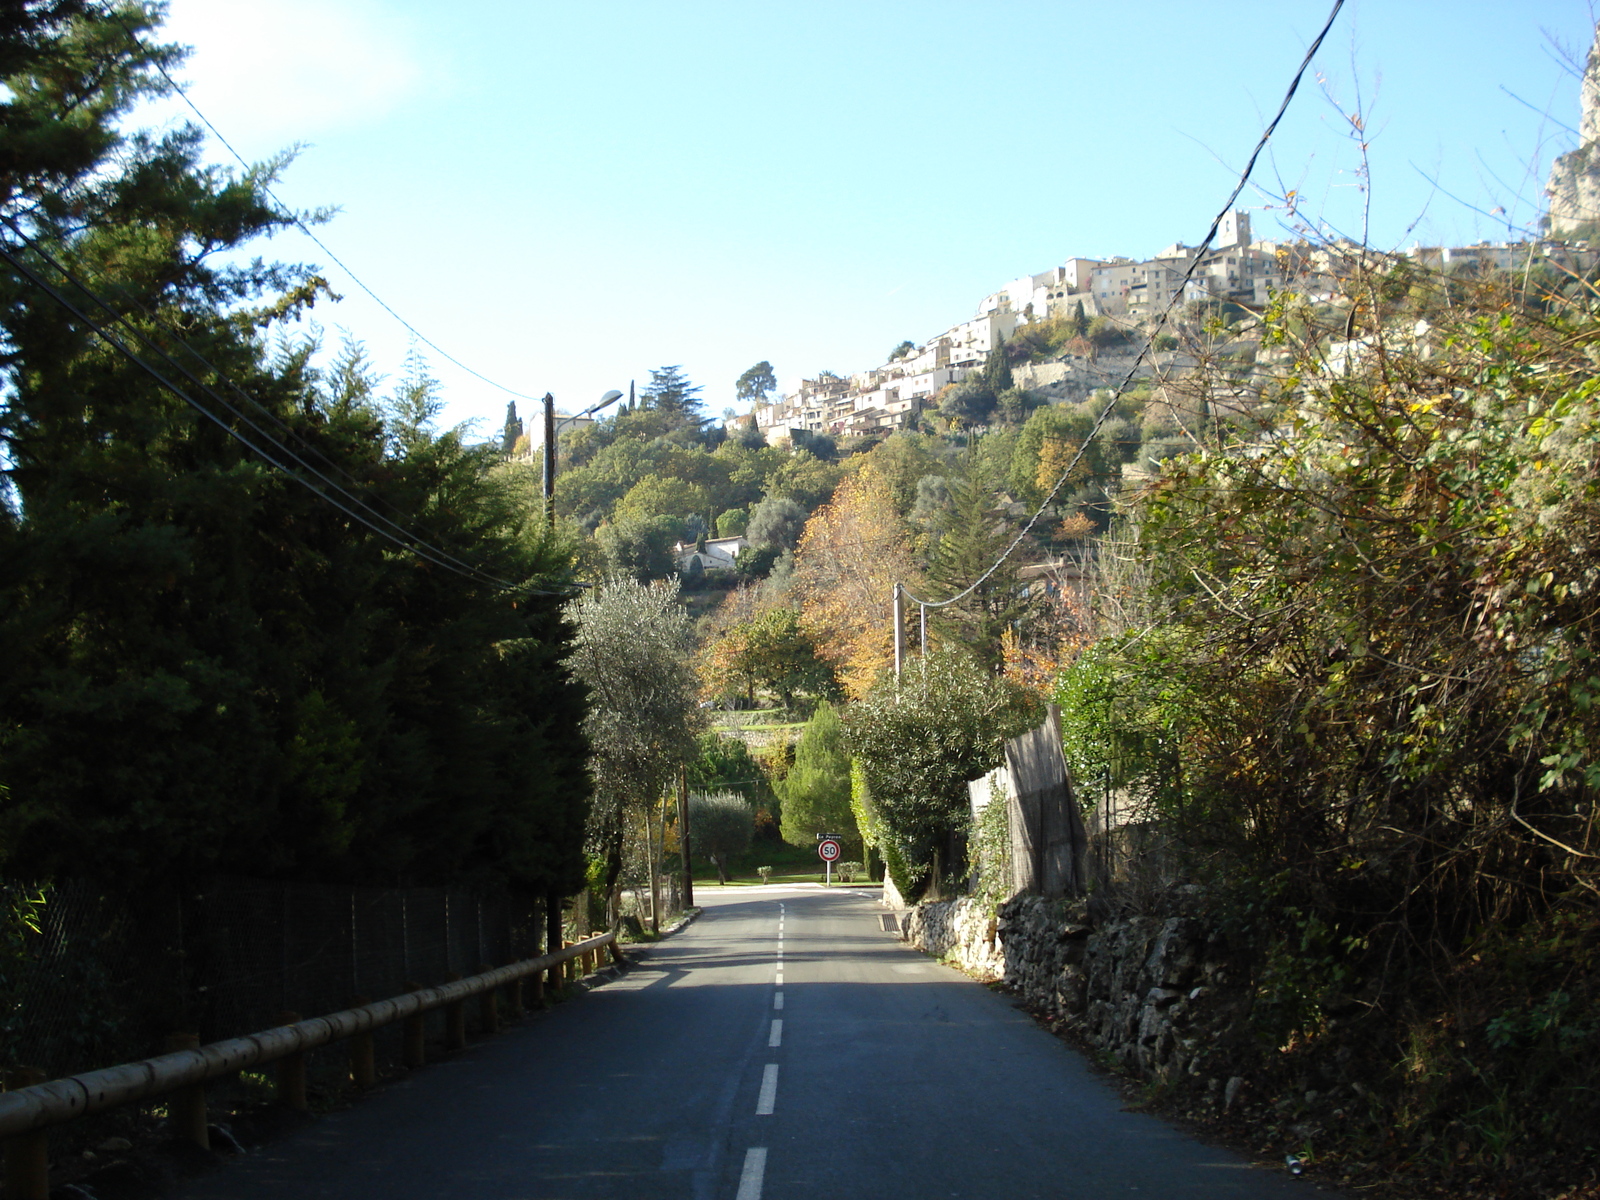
column 772, row 650
column 852, row 553
column 1049, row 441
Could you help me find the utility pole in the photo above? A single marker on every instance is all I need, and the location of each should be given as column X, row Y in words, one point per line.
column 610, row 397
column 549, row 459
column 683, row 837
column 899, row 629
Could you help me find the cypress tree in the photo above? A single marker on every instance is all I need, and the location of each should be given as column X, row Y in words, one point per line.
column 513, row 429
column 997, row 369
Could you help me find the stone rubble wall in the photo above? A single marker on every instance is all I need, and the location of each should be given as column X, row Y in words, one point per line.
column 1159, row 993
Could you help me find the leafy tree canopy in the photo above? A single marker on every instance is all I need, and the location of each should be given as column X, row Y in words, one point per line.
column 633, row 653
column 773, row 651
column 661, row 495
column 725, row 764
column 776, row 521
column 1050, row 439
column 756, row 384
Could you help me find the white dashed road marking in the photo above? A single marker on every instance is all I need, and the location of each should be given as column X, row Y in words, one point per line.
column 755, row 1168
column 769, row 1090
column 775, row 1038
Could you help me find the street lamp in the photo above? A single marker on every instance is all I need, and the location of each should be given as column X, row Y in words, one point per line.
column 610, row 397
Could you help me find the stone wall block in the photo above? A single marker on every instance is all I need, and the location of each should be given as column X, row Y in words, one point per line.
column 1154, row 993
column 1175, row 952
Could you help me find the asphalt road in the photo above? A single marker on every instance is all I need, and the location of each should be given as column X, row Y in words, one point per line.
column 782, row 1047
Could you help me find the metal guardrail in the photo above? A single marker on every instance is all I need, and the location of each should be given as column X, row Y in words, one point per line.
column 26, row 1113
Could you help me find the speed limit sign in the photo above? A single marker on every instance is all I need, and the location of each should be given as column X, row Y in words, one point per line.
column 828, row 849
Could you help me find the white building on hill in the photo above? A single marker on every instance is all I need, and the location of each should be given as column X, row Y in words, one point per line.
column 1235, row 269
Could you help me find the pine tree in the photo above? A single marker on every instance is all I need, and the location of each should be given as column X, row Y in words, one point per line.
column 997, row 369
column 972, row 533
column 671, row 392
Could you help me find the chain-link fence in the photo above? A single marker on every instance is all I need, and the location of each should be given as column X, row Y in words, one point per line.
column 88, row 979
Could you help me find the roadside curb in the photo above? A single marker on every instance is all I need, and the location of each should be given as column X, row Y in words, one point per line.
column 637, row 951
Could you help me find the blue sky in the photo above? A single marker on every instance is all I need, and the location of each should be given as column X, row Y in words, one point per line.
column 563, row 196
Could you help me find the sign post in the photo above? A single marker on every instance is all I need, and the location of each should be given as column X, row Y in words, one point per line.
column 828, row 850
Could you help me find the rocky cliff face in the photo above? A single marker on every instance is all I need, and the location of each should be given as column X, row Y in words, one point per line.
column 1574, row 187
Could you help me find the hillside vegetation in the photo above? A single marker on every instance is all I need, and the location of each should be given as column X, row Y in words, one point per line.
column 1348, row 658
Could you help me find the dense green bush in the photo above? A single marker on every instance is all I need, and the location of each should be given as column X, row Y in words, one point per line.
column 918, row 741
column 816, row 790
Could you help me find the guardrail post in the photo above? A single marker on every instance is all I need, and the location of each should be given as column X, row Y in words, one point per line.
column 569, row 968
column 552, row 939
column 536, row 989
column 27, row 1155
column 415, row 1050
column 292, row 1072
column 455, row 1019
column 514, row 1005
column 363, row 1058
column 489, row 1005
column 188, row 1107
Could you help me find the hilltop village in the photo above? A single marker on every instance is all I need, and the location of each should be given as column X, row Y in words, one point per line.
column 1118, row 296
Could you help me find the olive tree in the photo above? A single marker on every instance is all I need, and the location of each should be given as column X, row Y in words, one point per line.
column 723, row 825
column 634, row 652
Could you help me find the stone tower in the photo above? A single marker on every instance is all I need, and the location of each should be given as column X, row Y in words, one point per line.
column 1574, row 187
column 1234, row 230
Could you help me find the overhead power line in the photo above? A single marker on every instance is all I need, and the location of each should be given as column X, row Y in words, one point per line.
column 330, row 493
column 272, row 418
column 288, row 212
column 1161, row 322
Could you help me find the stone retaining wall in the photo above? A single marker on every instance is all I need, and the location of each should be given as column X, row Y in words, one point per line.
column 1157, row 992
